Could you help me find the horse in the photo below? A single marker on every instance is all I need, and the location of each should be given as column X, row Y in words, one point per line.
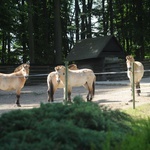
column 14, row 81
column 138, row 72
column 76, row 78
column 53, row 85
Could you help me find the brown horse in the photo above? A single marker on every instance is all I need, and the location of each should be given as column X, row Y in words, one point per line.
column 53, row 85
column 138, row 72
column 76, row 78
column 14, row 81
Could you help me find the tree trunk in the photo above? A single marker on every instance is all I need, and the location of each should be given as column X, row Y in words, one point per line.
column 23, row 38
column 31, row 32
column 3, row 59
column 83, row 20
column 45, row 28
column 77, row 10
column 58, row 32
column 9, row 41
column 104, row 18
column 111, row 17
column 140, row 23
column 89, row 31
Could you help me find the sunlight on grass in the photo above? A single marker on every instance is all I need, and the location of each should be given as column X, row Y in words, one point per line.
column 142, row 111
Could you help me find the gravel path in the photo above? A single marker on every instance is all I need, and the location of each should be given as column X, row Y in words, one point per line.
column 113, row 94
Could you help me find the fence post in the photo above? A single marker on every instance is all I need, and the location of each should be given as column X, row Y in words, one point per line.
column 133, row 86
column 66, row 81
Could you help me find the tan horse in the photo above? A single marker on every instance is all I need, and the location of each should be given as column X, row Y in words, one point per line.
column 53, row 85
column 14, row 81
column 76, row 78
column 138, row 72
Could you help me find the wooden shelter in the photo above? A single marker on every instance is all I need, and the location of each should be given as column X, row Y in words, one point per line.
column 91, row 52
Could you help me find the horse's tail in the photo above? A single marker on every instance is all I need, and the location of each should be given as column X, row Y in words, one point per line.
column 94, row 86
column 51, row 89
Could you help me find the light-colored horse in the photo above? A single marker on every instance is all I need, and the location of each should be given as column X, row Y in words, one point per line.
column 76, row 78
column 14, row 81
column 53, row 85
column 138, row 72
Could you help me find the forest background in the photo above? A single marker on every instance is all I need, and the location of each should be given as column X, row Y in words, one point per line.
column 44, row 31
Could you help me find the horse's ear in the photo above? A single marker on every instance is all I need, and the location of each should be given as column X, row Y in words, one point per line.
column 128, row 57
column 26, row 66
column 56, row 68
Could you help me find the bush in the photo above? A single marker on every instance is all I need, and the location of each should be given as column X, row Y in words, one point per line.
column 81, row 125
column 140, row 139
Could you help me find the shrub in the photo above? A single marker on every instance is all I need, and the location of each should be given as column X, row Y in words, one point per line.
column 81, row 125
column 140, row 139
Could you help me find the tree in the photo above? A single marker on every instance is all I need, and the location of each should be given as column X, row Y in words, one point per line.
column 31, row 31
column 57, row 32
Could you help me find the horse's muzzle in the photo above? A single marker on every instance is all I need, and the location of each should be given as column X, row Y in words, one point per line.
column 58, row 81
column 129, row 69
column 26, row 77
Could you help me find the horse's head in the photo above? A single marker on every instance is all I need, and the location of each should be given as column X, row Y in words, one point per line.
column 26, row 65
column 129, row 61
column 60, row 72
column 25, row 71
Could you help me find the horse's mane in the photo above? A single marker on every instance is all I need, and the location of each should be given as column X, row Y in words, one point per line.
column 27, row 66
column 74, row 66
column 71, row 67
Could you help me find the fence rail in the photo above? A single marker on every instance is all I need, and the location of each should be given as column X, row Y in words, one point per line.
column 112, row 72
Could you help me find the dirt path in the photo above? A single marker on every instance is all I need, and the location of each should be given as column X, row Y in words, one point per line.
column 114, row 96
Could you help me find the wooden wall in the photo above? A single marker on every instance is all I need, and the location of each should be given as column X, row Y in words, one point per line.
column 38, row 74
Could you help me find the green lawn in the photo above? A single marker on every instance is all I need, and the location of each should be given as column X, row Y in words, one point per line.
column 142, row 111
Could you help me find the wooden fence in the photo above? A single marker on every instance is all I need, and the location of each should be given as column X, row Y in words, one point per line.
column 38, row 74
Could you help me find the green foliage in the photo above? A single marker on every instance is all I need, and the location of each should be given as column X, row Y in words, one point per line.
column 81, row 125
column 79, row 19
column 142, row 111
column 140, row 139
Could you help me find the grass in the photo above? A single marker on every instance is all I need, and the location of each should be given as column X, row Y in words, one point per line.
column 139, row 112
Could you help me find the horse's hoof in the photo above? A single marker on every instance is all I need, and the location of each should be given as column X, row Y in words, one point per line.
column 130, row 100
column 89, row 100
column 18, row 105
column 126, row 103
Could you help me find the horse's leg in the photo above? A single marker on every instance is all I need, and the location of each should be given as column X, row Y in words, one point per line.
column 68, row 92
column 69, row 95
column 18, row 98
column 138, row 91
column 91, row 90
column 131, row 86
column 87, row 87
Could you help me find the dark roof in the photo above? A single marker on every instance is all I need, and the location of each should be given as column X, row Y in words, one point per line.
column 96, row 47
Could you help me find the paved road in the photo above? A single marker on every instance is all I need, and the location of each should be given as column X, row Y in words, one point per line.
column 115, row 94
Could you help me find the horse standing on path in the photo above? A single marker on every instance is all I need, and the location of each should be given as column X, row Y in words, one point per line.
column 14, row 81
column 53, row 85
column 76, row 78
column 138, row 72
